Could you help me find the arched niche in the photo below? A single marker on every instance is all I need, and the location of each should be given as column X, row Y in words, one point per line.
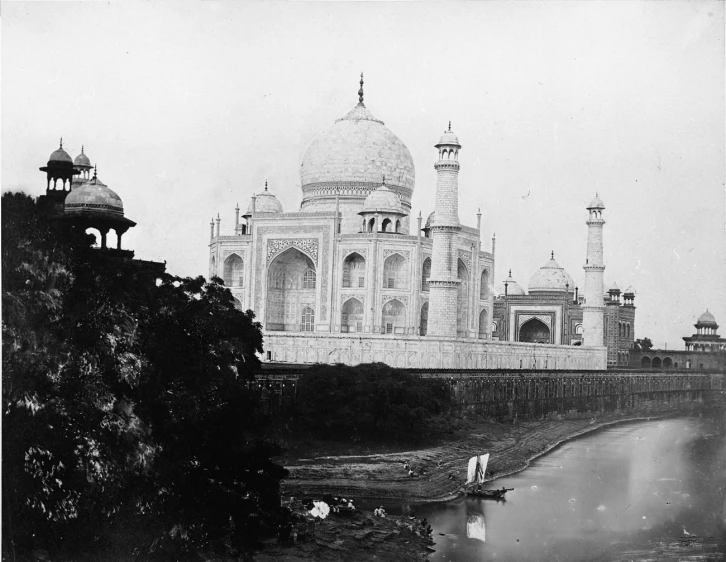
column 233, row 275
column 656, row 363
column 354, row 271
column 645, row 362
column 351, row 316
column 534, row 331
column 386, row 225
column 425, row 274
column 484, row 289
column 424, row 323
column 237, row 303
column 393, row 317
column 483, row 323
column 462, row 299
column 667, row 363
column 291, row 294
column 395, row 272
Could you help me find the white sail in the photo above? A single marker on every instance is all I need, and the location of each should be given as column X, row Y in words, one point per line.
column 477, row 469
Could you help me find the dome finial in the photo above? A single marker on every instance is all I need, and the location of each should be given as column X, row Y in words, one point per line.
column 95, row 171
column 384, row 179
column 265, row 185
column 449, row 126
column 61, row 142
column 552, row 254
column 82, row 149
column 510, row 272
column 360, row 92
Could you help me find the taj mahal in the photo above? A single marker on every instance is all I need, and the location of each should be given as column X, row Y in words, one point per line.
column 343, row 279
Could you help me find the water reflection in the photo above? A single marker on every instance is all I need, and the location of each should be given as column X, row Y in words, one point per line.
column 621, row 487
column 475, row 528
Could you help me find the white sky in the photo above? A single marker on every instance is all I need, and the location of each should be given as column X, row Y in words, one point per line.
column 187, row 107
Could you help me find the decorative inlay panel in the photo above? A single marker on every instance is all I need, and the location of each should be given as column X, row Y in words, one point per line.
column 308, row 246
column 348, row 251
column 389, row 252
column 227, row 253
column 402, row 298
column 466, row 258
column 522, row 318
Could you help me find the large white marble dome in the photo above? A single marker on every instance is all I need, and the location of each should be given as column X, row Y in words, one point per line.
column 350, row 159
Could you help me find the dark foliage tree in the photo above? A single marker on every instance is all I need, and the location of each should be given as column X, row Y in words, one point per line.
column 127, row 421
column 643, row 344
column 368, row 400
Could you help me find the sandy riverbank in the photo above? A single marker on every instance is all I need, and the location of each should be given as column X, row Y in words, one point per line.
column 381, row 475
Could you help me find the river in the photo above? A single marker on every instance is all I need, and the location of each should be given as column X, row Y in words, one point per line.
column 628, row 488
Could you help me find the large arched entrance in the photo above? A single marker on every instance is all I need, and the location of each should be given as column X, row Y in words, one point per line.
column 534, row 331
column 291, row 293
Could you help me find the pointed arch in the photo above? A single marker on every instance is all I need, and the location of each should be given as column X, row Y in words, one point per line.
column 291, row 280
column 393, row 317
column 462, row 299
column 233, row 271
column 534, row 331
column 424, row 322
column 425, row 274
column 386, row 225
column 354, row 271
column 372, row 225
column 483, row 323
column 237, row 303
column 351, row 316
column 395, row 272
column 484, row 289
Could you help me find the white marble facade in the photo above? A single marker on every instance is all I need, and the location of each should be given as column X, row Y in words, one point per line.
column 345, row 272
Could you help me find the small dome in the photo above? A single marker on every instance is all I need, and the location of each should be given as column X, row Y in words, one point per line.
column 266, row 203
column 93, row 197
column 551, row 278
column 512, row 289
column 82, row 160
column 383, row 200
column 706, row 319
column 429, row 221
column 614, row 288
column 60, row 155
column 449, row 138
column 596, row 203
column 629, row 290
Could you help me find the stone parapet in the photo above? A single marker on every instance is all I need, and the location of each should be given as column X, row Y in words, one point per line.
column 410, row 351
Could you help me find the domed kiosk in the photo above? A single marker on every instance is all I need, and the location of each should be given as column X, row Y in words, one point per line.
column 349, row 159
column 94, row 205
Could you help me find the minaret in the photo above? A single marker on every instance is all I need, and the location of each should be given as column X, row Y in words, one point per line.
column 444, row 282
column 593, row 310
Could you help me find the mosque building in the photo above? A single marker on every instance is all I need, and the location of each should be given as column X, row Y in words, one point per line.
column 342, row 279
column 550, row 311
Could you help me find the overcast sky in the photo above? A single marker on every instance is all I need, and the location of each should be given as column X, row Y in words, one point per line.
column 187, row 107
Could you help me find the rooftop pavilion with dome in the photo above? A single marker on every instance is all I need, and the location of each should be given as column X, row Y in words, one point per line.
column 343, row 279
column 82, row 200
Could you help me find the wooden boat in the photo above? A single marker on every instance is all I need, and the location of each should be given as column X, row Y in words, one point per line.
column 475, row 476
column 493, row 494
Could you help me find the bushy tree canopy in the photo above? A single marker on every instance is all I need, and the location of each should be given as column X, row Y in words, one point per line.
column 370, row 399
column 127, row 420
